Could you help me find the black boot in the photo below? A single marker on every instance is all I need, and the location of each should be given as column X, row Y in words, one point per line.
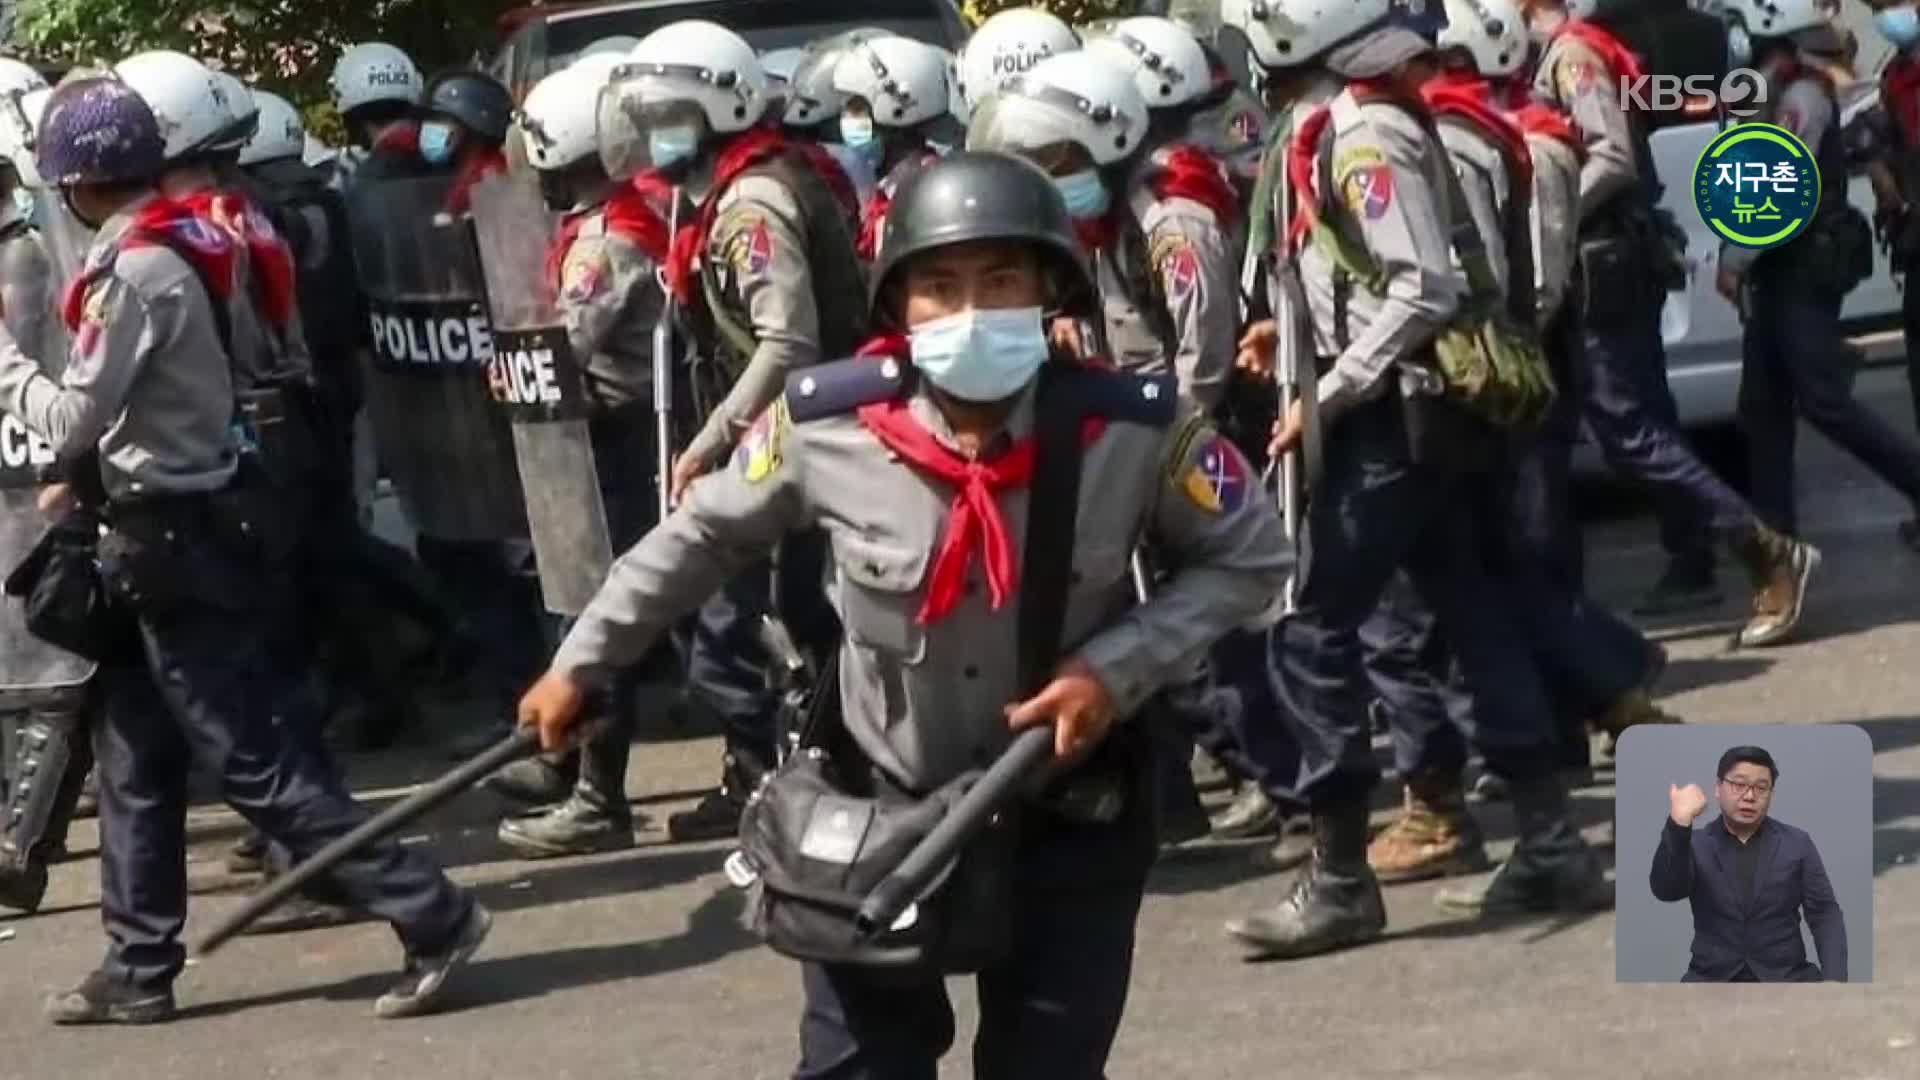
column 717, row 817
column 1251, row 814
column 102, row 1000
column 1551, row 870
column 1335, row 901
column 54, row 759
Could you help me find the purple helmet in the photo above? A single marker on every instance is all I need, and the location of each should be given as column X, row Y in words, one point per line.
column 98, row 131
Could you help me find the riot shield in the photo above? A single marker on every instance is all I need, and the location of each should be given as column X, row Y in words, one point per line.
column 538, row 385
column 447, row 448
column 27, row 664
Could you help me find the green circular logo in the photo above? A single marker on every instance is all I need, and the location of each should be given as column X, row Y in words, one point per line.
column 1756, row 185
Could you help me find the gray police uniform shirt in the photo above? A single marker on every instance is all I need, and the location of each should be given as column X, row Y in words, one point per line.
column 1482, row 168
column 1575, row 78
column 925, row 702
column 1804, row 107
column 610, row 295
column 1556, row 234
column 27, row 292
column 1389, row 182
column 1190, row 257
column 146, row 378
column 758, row 242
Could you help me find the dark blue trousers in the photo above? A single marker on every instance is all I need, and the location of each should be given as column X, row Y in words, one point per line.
column 1630, row 410
column 1376, row 511
column 203, row 688
column 1048, row 1012
column 1410, row 670
column 497, row 599
column 1794, row 367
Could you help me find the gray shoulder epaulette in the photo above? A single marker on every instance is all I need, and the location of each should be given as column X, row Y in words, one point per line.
column 843, row 385
column 1151, row 400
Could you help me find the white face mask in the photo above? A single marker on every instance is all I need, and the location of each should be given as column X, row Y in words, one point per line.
column 981, row 355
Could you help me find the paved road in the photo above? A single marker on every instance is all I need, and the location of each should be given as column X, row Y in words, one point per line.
column 633, row 964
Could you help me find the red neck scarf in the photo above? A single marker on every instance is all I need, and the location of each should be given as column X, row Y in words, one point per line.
column 1468, row 97
column 477, row 167
column 1186, row 172
column 873, row 217
column 1536, row 118
column 269, row 257
column 1621, row 61
column 974, row 522
column 1301, row 173
column 191, row 228
column 632, row 212
column 401, row 138
column 753, row 147
column 1900, row 89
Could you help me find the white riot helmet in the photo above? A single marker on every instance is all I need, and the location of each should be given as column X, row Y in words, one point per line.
column 1168, row 65
column 243, row 115
column 280, row 133
column 1493, row 32
column 780, row 64
column 902, row 81
column 1289, row 33
column 1778, row 18
column 1076, row 98
column 557, row 119
column 1009, row 44
column 597, row 68
column 811, row 98
column 18, row 77
column 187, row 98
column 375, row 72
column 683, row 83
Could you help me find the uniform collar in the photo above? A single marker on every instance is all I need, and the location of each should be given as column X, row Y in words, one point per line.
column 1019, row 424
column 116, row 226
column 1324, row 87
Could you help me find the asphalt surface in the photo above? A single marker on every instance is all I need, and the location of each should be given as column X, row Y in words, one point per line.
column 634, row 964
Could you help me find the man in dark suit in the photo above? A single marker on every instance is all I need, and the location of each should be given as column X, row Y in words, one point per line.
column 1750, row 879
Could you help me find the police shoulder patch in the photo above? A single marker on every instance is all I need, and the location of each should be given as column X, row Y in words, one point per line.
column 743, row 241
column 1365, row 181
column 1175, row 263
column 1217, row 478
column 759, row 454
column 841, row 386
column 587, row 270
column 1577, row 77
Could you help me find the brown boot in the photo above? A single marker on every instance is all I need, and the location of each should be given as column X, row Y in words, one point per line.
column 1631, row 709
column 1780, row 568
column 1434, row 836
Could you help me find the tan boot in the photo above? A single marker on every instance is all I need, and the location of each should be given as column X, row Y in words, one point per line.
column 1633, row 708
column 1434, row 836
column 1780, row 568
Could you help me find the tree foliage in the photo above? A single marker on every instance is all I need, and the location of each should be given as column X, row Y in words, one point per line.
column 1073, row 12
column 284, row 45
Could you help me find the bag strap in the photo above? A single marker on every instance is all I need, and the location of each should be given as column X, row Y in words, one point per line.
column 1053, row 510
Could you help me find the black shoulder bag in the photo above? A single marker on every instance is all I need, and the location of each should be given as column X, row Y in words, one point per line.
column 822, row 832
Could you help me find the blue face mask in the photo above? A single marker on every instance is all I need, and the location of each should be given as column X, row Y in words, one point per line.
column 436, row 143
column 1085, row 193
column 1900, row 25
column 669, row 146
column 981, row 355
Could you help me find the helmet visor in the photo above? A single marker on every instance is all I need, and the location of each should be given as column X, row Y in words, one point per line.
column 1026, row 116
column 645, row 123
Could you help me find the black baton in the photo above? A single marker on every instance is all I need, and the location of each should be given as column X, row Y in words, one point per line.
column 1031, row 752
column 522, row 743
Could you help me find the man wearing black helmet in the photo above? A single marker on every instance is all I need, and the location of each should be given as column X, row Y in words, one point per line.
column 464, row 127
column 916, row 459
column 192, row 541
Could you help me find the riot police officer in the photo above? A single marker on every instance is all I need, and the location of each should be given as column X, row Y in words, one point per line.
column 45, row 691
column 377, row 90
column 463, row 129
column 811, row 107
column 190, row 549
column 602, row 263
column 1154, row 218
column 1623, row 377
column 894, row 111
column 776, row 287
column 873, row 449
column 1790, row 295
column 1398, row 487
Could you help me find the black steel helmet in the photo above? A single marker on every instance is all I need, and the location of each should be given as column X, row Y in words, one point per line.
column 474, row 98
column 981, row 195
